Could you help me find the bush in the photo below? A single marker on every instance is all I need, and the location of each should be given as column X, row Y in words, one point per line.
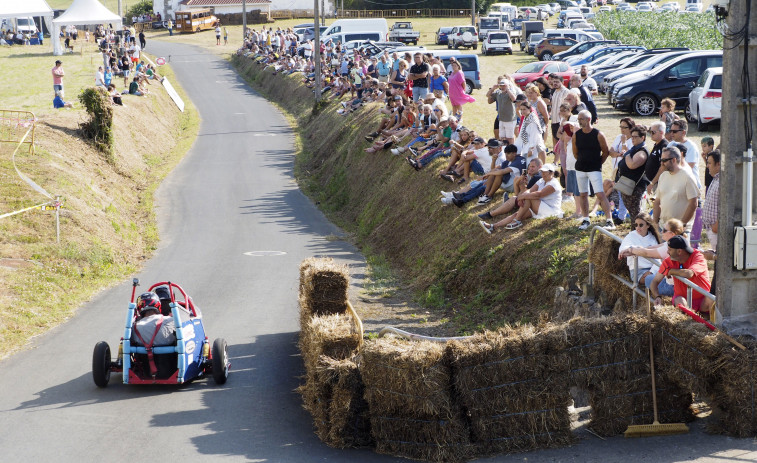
column 99, row 127
column 696, row 31
column 140, row 8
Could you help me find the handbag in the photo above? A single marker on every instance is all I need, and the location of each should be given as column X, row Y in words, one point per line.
column 626, row 185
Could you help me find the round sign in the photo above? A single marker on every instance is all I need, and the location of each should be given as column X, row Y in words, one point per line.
column 160, row 61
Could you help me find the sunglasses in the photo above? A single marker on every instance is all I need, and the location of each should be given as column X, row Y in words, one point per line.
column 666, row 159
column 675, row 131
column 643, row 224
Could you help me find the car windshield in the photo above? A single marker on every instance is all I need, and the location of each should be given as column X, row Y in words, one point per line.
column 531, row 67
column 498, row 36
column 470, row 29
column 536, row 38
column 489, row 23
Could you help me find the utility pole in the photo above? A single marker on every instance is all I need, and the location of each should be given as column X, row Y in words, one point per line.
column 737, row 287
column 323, row 13
column 120, row 10
column 473, row 13
column 244, row 20
column 316, row 53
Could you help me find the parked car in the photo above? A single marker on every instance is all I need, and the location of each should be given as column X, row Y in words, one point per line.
column 547, row 48
column 583, row 47
column 403, row 32
column 646, row 61
column 644, row 8
column 463, row 36
column 589, row 56
column 642, row 92
column 470, row 67
column 533, row 41
column 705, row 98
column 533, row 71
column 497, row 42
column 487, row 25
column 693, row 8
column 442, row 35
column 604, row 9
column 556, row 7
column 674, row 5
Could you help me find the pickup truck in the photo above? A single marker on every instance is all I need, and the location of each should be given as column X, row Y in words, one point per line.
column 403, row 32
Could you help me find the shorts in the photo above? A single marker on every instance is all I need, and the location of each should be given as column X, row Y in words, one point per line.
column 383, row 78
column 507, row 129
column 476, row 167
column 571, row 184
column 555, row 129
column 584, row 178
column 496, row 123
column 126, row 73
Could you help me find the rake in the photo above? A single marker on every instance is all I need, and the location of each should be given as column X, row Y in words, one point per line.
column 654, row 429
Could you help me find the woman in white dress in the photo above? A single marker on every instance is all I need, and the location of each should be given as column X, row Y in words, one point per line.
column 530, row 141
column 543, row 200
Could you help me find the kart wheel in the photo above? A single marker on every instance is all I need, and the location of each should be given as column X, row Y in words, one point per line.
column 101, row 364
column 220, row 361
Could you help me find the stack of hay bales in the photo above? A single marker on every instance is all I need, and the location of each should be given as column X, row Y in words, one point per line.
column 413, row 414
column 703, row 362
column 604, row 255
column 513, row 386
column 333, row 390
column 610, row 359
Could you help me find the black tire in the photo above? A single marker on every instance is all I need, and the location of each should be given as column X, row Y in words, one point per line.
column 475, row 46
column 455, row 46
column 545, row 56
column 220, row 361
column 687, row 114
column 449, row 46
column 645, row 104
column 483, row 51
column 468, row 86
column 101, row 364
column 701, row 126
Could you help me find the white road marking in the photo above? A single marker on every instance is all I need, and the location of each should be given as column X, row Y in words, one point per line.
column 264, row 253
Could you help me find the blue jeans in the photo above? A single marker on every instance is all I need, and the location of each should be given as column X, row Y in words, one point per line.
column 476, row 167
column 416, row 140
column 663, row 289
column 431, row 155
column 477, row 188
column 419, row 93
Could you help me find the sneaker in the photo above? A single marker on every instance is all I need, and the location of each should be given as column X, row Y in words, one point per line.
column 413, row 152
column 457, row 202
column 483, row 199
column 487, row 227
column 609, row 225
column 446, row 201
column 585, row 223
column 447, row 194
column 395, row 151
column 344, row 104
column 485, row 216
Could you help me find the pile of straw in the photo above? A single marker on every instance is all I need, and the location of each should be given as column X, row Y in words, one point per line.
column 512, row 384
column 408, row 389
column 323, row 288
column 604, row 255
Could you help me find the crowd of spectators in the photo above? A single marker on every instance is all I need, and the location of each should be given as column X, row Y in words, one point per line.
column 654, row 183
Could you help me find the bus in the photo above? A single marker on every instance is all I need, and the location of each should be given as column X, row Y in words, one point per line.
column 195, row 20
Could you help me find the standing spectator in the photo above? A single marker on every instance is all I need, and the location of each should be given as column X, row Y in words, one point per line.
column 689, row 263
column 588, row 82
column 708, row 144
column 419, row 76
column 169, row 25
column 384, row 68
column 710, row 207
column 590, row 149
column 679, row 130
column 620, row 145
column 632, row 166
column 530, row 140
column 504, row 94
column 108, row 76
column 584, row 96
column 559, row 92
column 677, row 193
column 456, row 85
column 218, row 33
column 125, row 68
column 142, row 40
column 437, row 82
column 533, row 95
column 399, row 77
column 654, row 167
column 225, row 36
column 58, row 74
column 667, row 112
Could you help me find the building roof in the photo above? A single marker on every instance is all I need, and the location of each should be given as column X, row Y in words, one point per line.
column 200, row 3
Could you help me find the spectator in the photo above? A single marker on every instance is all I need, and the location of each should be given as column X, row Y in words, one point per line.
column 584, row 96
column 559, row 92
column 654, row 167
column 539, row 107
column 588, row 82
column 107, row 77
column 710, row 206
column 530, row 141
column 490, row 182
column 677, row 193
column 679, row 129
column 134, row 88
column 620, row 145
column 225, row 36
column 450, row 133
column 524, row 182
column 708, row 144
column 59, row 103
column 436, row 81
column 545, row 89
column 399, row 77
column 632, row 167
column 218, row 34
column 573, row 98
column 689, row 263
column 100, row 78
column 142, row 40
column 504, row 94
column 456, row 85
column 541, row 201
column 456, row 150
column 671, row 228
column 590, row 149
column 643, row 235
column 384, row 68
column 667, row 112
column 418, row 74
column 58, row 74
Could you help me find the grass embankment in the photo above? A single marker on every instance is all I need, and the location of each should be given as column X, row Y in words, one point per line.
column 441, row 252
column 107, row 224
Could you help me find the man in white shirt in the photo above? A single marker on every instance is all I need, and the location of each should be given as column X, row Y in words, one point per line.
column 679, row 128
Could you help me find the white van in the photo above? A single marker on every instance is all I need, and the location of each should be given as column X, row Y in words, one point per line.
column 344, row 37
column 575, row 34
column 25, row 25
column 508, row 8
column 358, row 25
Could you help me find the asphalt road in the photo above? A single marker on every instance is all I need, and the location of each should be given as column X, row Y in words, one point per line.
column 233, row 194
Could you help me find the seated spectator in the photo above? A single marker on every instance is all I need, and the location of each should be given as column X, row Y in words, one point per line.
column 499, row 166
column 59, row 103
column 475, row 160
column 524, row 182
column 543, row 200
column 100, row 77
column 456, row 151
column 643, row 235
column 449, row 134
column 684, row 261
column 672, row 227
column 115, row 96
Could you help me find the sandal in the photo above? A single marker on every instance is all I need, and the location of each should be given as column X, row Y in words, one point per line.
column 513, row 225
column 488, row 228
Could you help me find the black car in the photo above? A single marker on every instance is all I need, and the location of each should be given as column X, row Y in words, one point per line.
column 581, row 47
column 641, row 93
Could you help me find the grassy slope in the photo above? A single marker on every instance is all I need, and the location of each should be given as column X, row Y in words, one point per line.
column 107, row 224
column 441, row 252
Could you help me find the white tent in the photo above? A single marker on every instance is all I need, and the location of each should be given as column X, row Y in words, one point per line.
column 82, row 12
column 25, row 9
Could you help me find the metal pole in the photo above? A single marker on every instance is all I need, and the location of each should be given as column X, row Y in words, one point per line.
column 120, row 10
column 473, row 12
column 747, row 186
column 57, row 218
column 316, row 53
column 244, row 20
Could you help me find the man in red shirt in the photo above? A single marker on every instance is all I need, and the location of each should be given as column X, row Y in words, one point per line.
column 683, row 261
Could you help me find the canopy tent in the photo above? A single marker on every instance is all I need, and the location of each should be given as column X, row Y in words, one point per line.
column 82, row 12
column 25, row 9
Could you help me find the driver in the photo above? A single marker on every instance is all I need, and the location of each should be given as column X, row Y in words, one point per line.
column 152, row 328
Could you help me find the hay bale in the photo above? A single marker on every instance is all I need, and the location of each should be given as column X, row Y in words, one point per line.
column 604, row 255
column 323, row 288
column 439, row 440
column 406, row 378
column 349, row 423
column 734, row 392
column 333, row 336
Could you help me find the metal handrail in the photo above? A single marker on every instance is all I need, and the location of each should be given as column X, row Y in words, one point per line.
column 635, row 285
column 418, row 337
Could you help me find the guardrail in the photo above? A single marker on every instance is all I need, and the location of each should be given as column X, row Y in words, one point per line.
column 17, row 126
column 634, row 286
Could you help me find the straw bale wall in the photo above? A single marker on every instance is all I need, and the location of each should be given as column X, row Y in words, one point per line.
column 509, row 390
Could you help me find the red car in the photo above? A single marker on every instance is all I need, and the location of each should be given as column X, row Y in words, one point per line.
column 532, row 71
